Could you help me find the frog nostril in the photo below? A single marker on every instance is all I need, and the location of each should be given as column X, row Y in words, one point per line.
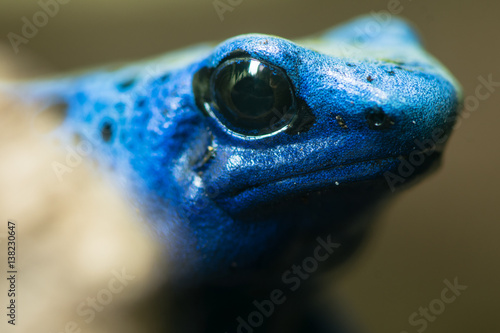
column 378, row 119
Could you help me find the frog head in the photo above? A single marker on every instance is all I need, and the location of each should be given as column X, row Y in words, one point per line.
column 288, row 119
column 307, row 135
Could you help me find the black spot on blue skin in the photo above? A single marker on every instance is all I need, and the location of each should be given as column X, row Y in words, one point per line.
column 378, row 119
column 165, row 78
column 350, row 65
column 140, row 103
column 369, row 78
column 108, row 129
column 126, row 85
column 50, row 118
column 391, row 73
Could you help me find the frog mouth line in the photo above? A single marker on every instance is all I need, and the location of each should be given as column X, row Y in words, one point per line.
column 345, row 175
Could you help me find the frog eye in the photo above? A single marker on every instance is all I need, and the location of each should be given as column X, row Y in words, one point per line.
column 251, row 97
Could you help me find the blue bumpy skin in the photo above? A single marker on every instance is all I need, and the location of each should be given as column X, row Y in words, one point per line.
column 241, row 154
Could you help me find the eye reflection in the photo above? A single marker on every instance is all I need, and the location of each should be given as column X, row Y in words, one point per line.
column 253, row 68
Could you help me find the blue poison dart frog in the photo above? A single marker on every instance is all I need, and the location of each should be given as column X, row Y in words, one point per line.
column 259, row 162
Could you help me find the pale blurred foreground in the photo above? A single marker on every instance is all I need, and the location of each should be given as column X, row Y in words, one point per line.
column 85, row 264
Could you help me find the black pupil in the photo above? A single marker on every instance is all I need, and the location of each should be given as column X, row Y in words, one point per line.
column 254, row 98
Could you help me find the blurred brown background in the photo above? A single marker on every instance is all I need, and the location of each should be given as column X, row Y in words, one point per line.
column 445, row 227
